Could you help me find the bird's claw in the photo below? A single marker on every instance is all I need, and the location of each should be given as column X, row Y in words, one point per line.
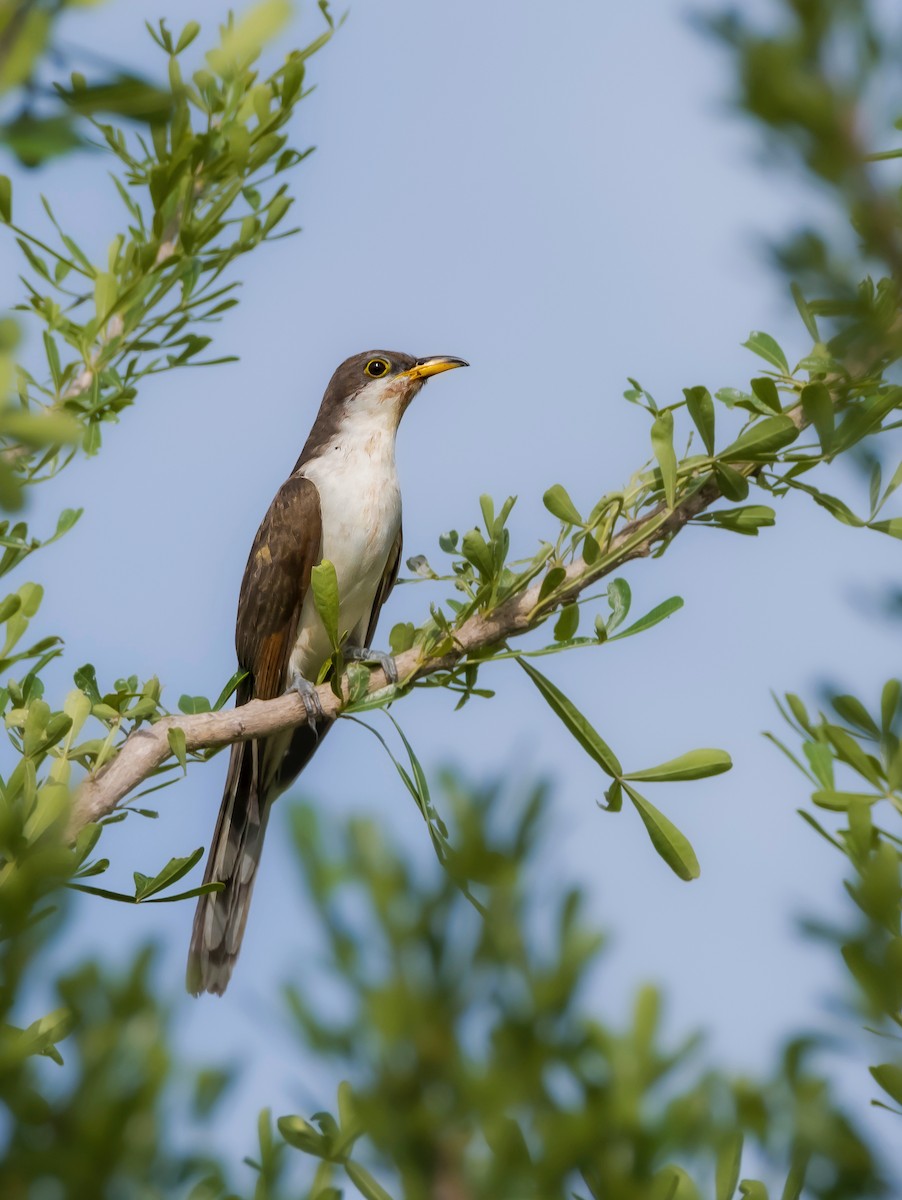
column 309, row 698
column 366, row 655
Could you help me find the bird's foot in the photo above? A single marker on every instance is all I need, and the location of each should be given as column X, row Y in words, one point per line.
column 366, row 655
column 309, row 697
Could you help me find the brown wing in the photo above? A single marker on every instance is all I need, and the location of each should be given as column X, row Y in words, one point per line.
column 389, row 577
column 287, row 547
column 277, row 575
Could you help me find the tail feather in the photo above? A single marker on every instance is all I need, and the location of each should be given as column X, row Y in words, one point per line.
column 258, row 772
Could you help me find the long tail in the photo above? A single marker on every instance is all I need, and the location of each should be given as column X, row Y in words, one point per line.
column 251, row 786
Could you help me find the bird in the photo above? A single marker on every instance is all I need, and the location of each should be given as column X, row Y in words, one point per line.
column 341, row 503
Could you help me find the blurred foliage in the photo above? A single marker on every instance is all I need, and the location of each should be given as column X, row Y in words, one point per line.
column 853, row 759
column 480, row 1065
column 43, row 120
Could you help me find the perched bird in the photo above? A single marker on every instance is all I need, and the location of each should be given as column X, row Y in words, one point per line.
column 342, row 503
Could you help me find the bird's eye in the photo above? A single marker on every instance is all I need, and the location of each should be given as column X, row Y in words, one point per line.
column 377, row 367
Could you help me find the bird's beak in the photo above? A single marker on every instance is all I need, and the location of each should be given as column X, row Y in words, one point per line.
column 424, row 367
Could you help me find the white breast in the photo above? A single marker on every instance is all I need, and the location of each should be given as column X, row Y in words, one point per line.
column 361, row 510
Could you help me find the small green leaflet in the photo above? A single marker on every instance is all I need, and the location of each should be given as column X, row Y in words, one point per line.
column 620, row 598
column 889, row 1077
column 178, row 745
column 147, row 887
column 696, row 764
column 672, row 845
column 766, row 391
column 364, row 1182
column 805, row 312
column 701, row 410
column 893, row 527
column 732, row 483
column 751, row 1189
column 729, row 1164
column 662, row 445
column 324, row 583
column 817, row 405
column 746, row 520
column 761, row 441
column 6, row 199
column 567, row 623
column 767, row 348
column 664, row 610
column 559, row 504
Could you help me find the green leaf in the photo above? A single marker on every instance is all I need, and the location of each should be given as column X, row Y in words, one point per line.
column 866, row 416
column 795, row 1180
column 672, row 845
column 662, row 445
column 243, row 42
column 203, row 889
column 401, row 637
column 178, row 746
column 6, row 199
column 746, row 520
column 575, row 722
column 767, row 348
column 840, row 801
column 729, row 1163
column 761, row 441
column 733, row 484
column 476, row 551
column 620, row 597
column 892, row 485
column 614, row 797
column 889, row 703
column 852, row 710
column 559, row 504
column 364, row 1182
column 817, row 405
column 300, row 1133
column 696, row 764
column 889, row 1077
column 553, row 580
column 188, row 34
column 9, row 606
column 229, row 688
column 174, row 870
column 105, row 293
column 324, row 582
column 567, row 623
column 591, row 549
column 805, row 312
column 893, row 526
column 701, row 410
column 751, row 1189
column 658, row 614
column 835, row 507
column 766, row 391
column 194, row 704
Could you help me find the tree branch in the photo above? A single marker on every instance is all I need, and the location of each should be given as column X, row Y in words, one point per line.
column 146, row 749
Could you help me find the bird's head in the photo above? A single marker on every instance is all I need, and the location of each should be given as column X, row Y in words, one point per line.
column 383, row 381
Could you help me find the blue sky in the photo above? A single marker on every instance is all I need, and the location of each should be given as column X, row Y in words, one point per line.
column 562, row 197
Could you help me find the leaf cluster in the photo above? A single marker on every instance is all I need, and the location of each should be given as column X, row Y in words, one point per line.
column 852, row 758
column 479, row 1067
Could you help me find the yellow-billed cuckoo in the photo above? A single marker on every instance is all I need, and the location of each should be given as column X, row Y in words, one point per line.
column 342, row 503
